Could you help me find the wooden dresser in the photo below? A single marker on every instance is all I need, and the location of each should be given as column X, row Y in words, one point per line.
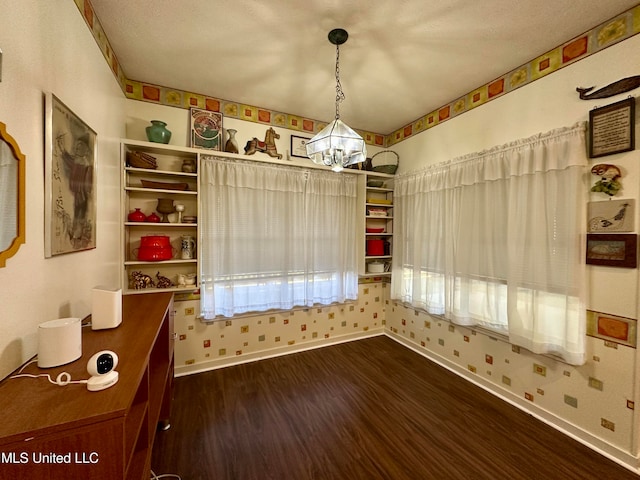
column 53, row 432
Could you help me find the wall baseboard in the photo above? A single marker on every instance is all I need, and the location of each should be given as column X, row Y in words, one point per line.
column 613, row 453
column 183, row 370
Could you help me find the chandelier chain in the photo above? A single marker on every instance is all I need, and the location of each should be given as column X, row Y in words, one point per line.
column 339, row 93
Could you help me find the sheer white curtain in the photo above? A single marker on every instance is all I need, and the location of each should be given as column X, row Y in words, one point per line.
column 274, row 237
column 496, row 239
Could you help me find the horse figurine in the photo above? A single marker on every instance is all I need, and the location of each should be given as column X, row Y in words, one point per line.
column 268, row 146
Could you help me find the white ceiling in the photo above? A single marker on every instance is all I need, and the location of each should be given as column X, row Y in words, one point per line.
column 403, row 58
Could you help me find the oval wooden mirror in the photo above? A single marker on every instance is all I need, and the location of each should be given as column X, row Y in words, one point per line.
column 12, row 196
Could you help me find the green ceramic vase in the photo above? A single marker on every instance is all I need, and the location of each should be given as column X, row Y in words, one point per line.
column 157, row 132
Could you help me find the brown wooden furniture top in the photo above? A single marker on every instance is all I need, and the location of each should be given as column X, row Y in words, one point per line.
column 30, row 404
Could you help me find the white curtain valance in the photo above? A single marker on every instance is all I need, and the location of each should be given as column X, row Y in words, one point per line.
column 555, row 150
column 281, row 178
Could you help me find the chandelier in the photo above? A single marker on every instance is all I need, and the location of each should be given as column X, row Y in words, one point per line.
column 337, row 145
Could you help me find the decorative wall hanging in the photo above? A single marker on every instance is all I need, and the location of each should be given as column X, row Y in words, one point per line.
column 268, row 146
column 70, row 180
column 621, row 86
column 612, row 328
column 299, row 146
column 612, row 128
column 612, row 250
column 206, row 129
column 611, row 216
column 608, row 182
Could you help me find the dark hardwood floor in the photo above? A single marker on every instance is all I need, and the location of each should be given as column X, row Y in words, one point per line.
column 369, row 409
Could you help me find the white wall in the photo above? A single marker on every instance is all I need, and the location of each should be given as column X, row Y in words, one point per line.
column 48, row 47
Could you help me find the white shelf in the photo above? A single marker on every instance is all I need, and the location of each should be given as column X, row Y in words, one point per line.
column 163, row 149
column 160, row 225
column 160, row 190
column 173, row 261
column 151, row 171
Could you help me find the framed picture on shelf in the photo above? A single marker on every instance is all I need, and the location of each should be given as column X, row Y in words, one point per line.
column 206, row 129
column 613, row 250
column 299, row 146
column 70, row 180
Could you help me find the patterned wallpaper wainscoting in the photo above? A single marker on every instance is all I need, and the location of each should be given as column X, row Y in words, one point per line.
column 204, row 346
column 596, row 398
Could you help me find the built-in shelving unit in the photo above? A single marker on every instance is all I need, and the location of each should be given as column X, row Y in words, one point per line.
column 375, row 205
column 375, row 214
column 142, row 188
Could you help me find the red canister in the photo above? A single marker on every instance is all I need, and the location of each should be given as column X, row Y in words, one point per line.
column 375, row 247
column 154, row 248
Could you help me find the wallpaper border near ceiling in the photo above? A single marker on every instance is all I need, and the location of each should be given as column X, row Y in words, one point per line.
column 608, row 33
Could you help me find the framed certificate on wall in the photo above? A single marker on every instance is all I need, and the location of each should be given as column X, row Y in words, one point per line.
column 612, row 128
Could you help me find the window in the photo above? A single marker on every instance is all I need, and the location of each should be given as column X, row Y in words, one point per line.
column 275, row 237
column 495, row 239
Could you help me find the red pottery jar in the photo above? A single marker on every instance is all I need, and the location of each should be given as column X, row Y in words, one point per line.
column 136, row 216
column 153, row 218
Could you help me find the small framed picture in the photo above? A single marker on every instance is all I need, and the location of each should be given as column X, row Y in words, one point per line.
column 612, row 328
column 612, row 250
column 612, row 128
column 611, row 216
column 206, row 129
column 299, row 146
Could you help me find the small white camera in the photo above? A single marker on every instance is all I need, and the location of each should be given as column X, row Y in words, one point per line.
column 101, row 367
